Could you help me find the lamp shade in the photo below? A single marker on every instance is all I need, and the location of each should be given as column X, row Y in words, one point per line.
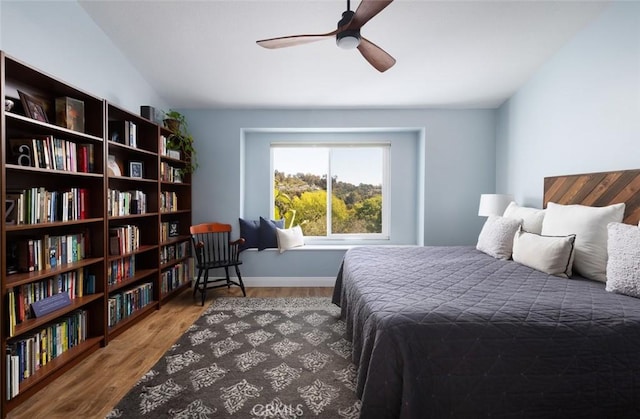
column 493, row 204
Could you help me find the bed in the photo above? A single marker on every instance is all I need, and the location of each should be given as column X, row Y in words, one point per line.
column 453, row 332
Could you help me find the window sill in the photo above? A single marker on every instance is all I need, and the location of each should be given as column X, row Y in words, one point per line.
column 314, row 247
column 308, row 247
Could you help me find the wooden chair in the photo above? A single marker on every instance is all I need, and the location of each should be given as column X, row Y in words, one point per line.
column 214, row 249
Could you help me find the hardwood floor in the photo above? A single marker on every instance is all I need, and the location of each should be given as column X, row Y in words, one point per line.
column 94, row 387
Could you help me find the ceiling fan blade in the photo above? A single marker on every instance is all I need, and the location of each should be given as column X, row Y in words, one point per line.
column 366, row 10
column 376, row 56
column 290, row 41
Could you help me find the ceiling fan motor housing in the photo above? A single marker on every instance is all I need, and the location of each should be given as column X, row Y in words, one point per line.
column 349, row 38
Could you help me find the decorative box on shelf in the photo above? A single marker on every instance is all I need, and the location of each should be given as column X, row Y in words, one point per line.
column 70, row 113
column 174, row 154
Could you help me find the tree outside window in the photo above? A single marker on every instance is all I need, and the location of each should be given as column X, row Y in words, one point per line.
column 357, row 189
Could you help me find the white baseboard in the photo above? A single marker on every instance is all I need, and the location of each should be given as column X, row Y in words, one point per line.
column 288, row 281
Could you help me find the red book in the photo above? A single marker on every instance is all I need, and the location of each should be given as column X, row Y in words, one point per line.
column 20, row 297
column 32, row 256
column 82, row 158
column 84, row 196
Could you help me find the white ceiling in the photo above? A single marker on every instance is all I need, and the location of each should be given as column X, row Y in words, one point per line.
column 450, row 54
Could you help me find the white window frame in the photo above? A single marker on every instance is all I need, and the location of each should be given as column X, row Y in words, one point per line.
column 386, row 188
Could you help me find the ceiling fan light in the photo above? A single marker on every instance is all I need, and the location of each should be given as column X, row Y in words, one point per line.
column 348, row 42
column 348, row 39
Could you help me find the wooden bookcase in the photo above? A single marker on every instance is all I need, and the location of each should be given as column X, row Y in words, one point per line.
column 176, row 265
column 29, row 179
column 76, row 247
column 132, row 268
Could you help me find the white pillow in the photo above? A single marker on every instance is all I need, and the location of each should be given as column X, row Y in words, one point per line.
column 531, row 217
column 289, row 238
column 496, row 237
column 623, row 266
column 589, row 224
column 550, row 254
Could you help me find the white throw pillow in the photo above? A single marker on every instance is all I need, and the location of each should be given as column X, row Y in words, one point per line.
column 549, row 254
column 623, row 266
column 496, row 237
column 288, row 238
column 531, row 217
column 589, row 224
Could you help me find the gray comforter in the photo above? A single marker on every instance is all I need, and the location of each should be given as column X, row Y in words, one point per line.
column 451, row 332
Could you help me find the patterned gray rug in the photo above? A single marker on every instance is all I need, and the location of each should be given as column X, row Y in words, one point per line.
column 252, row 358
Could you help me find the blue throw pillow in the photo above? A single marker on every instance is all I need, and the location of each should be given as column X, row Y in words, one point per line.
column 268, row 238
column 250, row 232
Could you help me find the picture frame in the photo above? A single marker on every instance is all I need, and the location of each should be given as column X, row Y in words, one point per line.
column 34, row 108
column 174, row 228
column 136, row 169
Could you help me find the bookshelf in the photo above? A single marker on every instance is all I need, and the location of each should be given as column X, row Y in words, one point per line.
column 176, row 265
column 53, row 234
column 132, row 219
column 90, row 195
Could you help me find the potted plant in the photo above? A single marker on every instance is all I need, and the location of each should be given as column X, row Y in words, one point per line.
column 180, row 138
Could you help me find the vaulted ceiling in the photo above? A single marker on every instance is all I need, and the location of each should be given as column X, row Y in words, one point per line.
column 450, row 54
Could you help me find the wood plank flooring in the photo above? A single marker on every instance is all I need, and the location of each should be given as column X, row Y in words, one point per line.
column 94, row 387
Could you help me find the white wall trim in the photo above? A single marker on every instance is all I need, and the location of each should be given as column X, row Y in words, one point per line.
column 286, row 281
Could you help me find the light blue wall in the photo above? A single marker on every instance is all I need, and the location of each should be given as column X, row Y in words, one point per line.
column 459, row 163
column 59, row 38
column 580, row 113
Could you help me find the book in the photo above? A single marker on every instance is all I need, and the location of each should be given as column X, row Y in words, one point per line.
column 74, row 248
column 67, row 155
column 26, row 257
column 59, row 157
column 36, row 153
column 80, row 283
column 45, row 152
column 114, row 242
column 133, row 135
column 83, row 158
column 50, row 150
column 91, row 163
column 70, row 249
column 84, row 203
column 41, row 154
column 12, row 314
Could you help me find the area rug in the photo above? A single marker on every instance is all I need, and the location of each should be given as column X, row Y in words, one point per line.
column 252, row 358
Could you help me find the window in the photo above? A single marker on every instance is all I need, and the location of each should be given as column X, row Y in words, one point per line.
column 352, row 205
column 403, row 185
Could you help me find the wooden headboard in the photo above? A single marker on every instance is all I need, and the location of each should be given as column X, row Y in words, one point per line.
column 597, row 190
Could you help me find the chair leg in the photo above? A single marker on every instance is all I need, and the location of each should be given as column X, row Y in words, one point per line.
column 195, row 286
column 226, row 271
column 205, row 281
column 244, row 294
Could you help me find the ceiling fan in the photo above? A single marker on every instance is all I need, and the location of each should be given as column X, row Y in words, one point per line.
column 347, row 35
